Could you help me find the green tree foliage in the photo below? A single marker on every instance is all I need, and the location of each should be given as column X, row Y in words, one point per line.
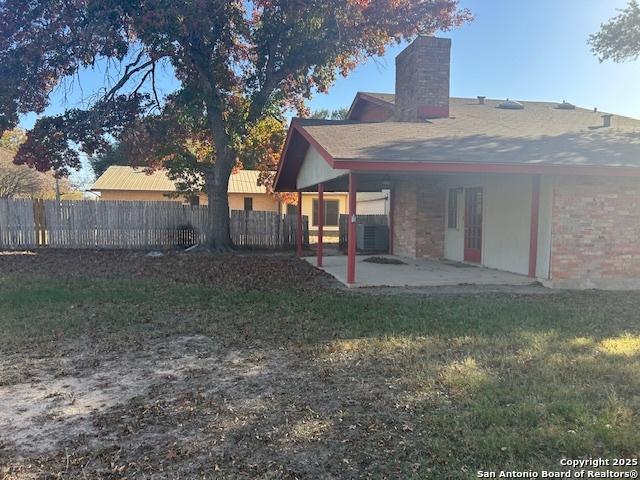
column 326, row 114
column 619, row 38
column 236, row 61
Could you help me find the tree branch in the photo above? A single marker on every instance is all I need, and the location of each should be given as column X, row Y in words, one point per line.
column 128, row 73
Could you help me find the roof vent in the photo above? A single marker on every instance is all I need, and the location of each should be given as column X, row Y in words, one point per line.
column 511, row 105
column 566, row 106
column 481, row 99
column 606, row 119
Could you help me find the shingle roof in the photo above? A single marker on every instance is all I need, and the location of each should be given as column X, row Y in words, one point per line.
column 385, row 97
column 474, row 133
column 138, row 179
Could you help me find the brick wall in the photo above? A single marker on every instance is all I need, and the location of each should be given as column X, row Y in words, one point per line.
column 404, row 218
column 596, row 233
column 422, row 80
column 430, row 220
column 418, row 210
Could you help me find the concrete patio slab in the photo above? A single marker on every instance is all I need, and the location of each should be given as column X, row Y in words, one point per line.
column 417, row 273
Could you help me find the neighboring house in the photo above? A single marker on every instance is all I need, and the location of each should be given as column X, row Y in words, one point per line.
column 129, row 183
column 543, row 189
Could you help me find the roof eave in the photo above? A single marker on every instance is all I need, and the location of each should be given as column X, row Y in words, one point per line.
column 475, row 167
column 296, row 128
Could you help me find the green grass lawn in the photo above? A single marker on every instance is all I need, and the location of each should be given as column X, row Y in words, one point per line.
column 414, row 386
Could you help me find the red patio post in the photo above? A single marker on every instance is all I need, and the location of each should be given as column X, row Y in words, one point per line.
column 320, row 222
column 533, row 238
column 299, row 226
column 391, row 220
column 351, row 236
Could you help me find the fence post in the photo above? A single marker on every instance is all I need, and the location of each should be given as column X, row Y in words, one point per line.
column 123, row 224
column 40, row 222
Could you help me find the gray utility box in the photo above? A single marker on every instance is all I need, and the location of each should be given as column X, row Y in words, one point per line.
column 372, row 238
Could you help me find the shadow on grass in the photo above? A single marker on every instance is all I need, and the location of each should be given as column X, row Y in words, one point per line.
column 395, row 386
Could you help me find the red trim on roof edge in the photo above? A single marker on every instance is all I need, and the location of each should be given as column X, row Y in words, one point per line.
column 282, row 154
column 443, row 167
column 312, row 141
column 382, row 166
column 296, row 127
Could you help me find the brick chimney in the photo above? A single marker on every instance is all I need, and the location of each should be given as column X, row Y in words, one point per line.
column 422, row 79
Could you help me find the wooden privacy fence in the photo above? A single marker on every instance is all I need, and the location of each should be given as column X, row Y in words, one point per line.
column 365, row 219
column 124, row 224
column 17, row 224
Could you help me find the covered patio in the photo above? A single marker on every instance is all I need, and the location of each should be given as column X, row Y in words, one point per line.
column 436, row 208
column 423, row 272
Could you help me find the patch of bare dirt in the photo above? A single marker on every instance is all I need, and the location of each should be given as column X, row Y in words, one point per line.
column 187, row 407
column 55, row 397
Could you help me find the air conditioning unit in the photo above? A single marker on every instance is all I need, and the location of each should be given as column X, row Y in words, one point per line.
column 372, row 238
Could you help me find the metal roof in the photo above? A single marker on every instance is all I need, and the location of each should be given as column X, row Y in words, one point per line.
column 140, row 179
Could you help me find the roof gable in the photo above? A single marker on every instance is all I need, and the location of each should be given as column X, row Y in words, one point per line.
column 371, row 107
column 540, row 135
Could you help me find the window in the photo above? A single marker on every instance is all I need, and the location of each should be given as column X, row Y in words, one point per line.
column 292, row 209
column 248, row 204
column 331, row 212
column 452, row 208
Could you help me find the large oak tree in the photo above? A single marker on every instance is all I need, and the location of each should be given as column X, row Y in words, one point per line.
column 237, row 63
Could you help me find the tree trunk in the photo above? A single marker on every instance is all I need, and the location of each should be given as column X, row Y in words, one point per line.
column 219, row 233
column 217, row 176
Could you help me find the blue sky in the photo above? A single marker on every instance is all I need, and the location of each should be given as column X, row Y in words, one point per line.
column 522, row 50
column 514, row 48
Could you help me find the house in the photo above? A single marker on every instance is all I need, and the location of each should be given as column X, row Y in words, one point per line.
column 543, row 189
column 129, row 183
